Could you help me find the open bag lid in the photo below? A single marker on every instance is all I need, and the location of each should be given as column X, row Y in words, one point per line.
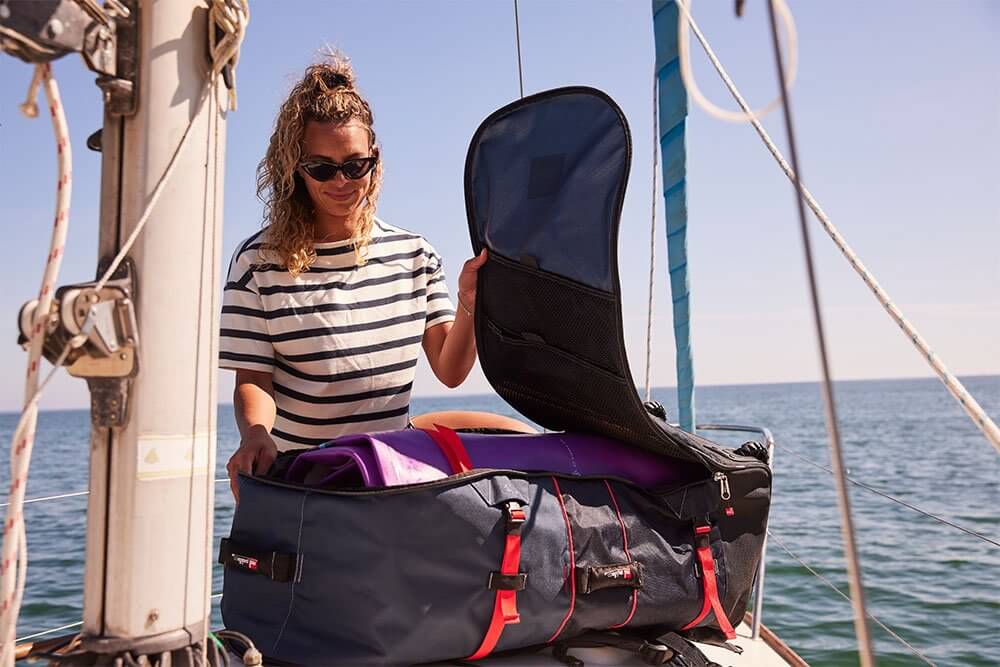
column 545, row 180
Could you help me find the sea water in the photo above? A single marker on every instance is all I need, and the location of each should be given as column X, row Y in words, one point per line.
column 935, row 586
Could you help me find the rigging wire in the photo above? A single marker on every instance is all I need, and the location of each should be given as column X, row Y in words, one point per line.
column 954, row 386
column 652, row 244
column 833, row 429
column 517, row 35
column 844, row 595
column 872, row 489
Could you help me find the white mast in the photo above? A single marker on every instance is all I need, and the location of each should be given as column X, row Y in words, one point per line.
column 149, row 516
column 150, row 356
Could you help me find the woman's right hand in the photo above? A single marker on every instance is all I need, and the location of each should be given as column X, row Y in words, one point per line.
column 256, row 454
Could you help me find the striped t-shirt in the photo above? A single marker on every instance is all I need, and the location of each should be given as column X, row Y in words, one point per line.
column 340, row 340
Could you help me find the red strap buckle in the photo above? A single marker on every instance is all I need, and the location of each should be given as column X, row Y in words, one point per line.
column 505, row 603
column 709, row 584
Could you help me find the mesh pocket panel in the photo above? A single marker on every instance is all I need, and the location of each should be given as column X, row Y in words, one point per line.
column 563, row 315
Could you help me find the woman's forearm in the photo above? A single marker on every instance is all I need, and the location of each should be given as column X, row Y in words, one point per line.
column 253, row 401
column 458, row 353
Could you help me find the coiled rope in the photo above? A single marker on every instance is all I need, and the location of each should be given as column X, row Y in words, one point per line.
column 690, row 83
column 954, row 386
column 231, row 17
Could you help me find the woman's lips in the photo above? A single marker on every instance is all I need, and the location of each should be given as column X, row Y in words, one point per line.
column 340, row 196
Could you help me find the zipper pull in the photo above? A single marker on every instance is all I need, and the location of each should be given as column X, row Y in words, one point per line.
column 723, row 481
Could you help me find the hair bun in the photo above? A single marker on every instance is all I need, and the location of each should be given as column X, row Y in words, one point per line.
column 335, row 77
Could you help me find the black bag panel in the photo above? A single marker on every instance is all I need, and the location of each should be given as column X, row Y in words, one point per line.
column 545, row 182
column 545, row 178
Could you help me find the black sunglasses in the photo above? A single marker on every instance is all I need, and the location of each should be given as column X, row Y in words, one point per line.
column 325, row 170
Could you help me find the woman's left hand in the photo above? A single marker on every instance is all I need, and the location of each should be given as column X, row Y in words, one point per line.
column 467, row 282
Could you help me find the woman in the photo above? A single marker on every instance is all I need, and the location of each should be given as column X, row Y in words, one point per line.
column 326, row 308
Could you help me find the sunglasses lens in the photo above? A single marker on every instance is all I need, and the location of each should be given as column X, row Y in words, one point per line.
column 355, row 169
column 320, row 171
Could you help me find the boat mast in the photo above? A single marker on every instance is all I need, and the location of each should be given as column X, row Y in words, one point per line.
column 150, row 351
column 149, row 516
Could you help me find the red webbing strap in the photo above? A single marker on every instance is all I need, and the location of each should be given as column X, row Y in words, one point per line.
column 505, row 604
column 451, row 446
column 709, row 584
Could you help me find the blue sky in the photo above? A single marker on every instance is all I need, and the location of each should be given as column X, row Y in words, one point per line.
column 898, row 113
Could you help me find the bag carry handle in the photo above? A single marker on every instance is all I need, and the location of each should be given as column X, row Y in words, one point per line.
column 276, row 566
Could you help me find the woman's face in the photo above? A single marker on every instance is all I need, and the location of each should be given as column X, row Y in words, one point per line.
column 340, row 196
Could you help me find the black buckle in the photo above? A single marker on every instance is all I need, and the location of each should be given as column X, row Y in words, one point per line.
column 507, row 582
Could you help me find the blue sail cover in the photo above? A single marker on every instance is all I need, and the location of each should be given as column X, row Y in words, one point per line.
column 672, row 105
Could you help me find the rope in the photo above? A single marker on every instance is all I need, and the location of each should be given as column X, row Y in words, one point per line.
column 955, row 388
column 232, row 17
column 13, row 567
column 844, row 595
column 887, row 496
column 684, row 50
column 652, row 247
column 517, row 35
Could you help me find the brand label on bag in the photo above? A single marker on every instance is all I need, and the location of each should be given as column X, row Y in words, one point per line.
column 618, row 575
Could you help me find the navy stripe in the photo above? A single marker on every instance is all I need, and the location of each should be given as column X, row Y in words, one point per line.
column 322, row 307
column 266, row 268
column 245, row 333
column 341, row 398
column 438, row 295
column 436, row 279
column 327, row 252
column 342, row 284
column 252, row 358
column 343, row 250
column 314, row 442
column 351, row 351
column 440, row 313
column 347, row 328
column 243, row 248
column 346, row 419
column 349, row 375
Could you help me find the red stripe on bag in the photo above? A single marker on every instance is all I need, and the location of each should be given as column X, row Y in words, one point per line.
column 635, row 593
column 451, row 446
column 709, row 585
column 572, row 564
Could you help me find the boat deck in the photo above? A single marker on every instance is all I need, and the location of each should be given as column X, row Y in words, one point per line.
column 768, row 651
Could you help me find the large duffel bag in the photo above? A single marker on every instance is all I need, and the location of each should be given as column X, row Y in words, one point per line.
column 483, row 560
column 492, row 559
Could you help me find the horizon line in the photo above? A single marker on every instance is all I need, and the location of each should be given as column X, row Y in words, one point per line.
column 638, row 389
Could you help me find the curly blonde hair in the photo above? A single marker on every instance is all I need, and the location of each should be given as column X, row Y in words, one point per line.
column 326, row 93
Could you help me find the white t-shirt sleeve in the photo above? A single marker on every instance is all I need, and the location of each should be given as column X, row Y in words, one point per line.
column 439, row 306
column 244, row 340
